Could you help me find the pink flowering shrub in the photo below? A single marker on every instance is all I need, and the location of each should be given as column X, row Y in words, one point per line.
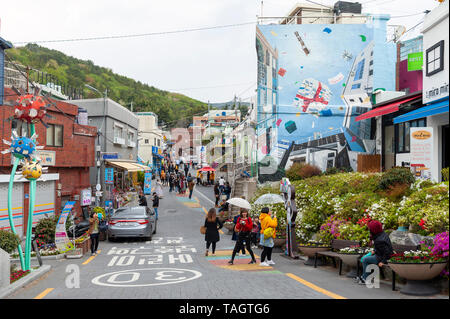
column 330, row 229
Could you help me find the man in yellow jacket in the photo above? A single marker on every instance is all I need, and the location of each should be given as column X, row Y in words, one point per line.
column 267, row 222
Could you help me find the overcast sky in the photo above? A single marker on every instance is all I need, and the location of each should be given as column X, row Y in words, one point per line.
column 207, row 65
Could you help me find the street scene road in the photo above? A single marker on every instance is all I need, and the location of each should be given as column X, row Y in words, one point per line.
column 212, row 151
column 173, row 266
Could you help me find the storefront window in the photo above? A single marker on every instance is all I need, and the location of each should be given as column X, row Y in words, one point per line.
column 403, row 132
column 54, row 135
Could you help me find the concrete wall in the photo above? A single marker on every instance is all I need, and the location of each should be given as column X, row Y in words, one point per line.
column 4, row 269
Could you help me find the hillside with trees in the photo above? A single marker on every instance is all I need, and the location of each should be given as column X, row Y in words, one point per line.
column 173, row 109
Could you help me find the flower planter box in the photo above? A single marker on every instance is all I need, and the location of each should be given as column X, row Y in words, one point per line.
column 74, row 253
column 310, row 252
column 418, row 276
column 85, row 246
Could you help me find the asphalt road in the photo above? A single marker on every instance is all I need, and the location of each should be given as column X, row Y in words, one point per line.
column 173, row 266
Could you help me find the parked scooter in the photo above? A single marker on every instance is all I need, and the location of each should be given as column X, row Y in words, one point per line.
column 81, row 227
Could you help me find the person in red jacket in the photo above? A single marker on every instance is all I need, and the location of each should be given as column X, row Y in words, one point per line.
column 244, row 226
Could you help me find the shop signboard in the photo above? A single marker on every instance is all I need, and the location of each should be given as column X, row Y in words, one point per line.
column 48, row 158
column 421, row 151
column 415, row 61
column 86, row 196
column 62, row 241
column 147, row 183
column 109, row 175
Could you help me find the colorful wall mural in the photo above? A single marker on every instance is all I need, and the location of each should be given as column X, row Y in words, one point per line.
column 313, row 80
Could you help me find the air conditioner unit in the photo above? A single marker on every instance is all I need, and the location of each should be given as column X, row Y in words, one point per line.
column 118, row 140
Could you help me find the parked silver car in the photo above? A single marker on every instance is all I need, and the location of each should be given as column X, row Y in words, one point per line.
column 137, row 221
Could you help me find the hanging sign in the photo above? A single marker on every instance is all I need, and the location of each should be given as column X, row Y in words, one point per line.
column 86, row 195
column 62, row 242
column 109, row 175
column 147, row 183
column 415, row 61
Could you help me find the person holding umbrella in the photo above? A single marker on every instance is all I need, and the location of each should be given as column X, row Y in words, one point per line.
column 243, row 227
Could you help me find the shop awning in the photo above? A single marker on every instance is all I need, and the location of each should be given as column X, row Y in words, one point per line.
column 127, row 166
column 144, row 167
column 387, row 109
column 428, row 110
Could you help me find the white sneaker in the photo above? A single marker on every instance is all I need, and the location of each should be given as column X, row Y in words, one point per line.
column 270, row 262
column 264, row 264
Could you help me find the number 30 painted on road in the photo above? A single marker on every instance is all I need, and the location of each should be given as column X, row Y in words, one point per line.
column 146, row 277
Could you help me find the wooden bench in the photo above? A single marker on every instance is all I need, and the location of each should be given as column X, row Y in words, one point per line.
column 336, row 245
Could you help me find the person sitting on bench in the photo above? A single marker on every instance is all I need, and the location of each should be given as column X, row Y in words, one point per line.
column 383, row 249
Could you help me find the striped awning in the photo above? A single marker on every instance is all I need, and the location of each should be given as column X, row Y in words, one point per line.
column 128, row 166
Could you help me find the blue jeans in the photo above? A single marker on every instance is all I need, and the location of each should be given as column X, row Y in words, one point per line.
column 156, row 211
column 369, row 260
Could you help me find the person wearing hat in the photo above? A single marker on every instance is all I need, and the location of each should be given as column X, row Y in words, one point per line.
column 266, row 221
column 382, row 249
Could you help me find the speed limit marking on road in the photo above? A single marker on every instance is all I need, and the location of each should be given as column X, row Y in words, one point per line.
column 146, row 277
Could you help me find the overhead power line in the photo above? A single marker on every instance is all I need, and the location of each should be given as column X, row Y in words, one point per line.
column 138, row 35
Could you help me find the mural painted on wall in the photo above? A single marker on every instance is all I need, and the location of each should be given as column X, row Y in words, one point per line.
column 313, row 80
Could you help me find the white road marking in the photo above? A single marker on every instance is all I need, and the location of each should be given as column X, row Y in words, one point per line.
column 204, row 196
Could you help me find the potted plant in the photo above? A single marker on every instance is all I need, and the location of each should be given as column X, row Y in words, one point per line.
column 418, row 268
column 310, row 249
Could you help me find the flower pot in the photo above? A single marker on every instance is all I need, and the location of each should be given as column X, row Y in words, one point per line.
column 418, row 276
column 352, row 261
column 310, row 252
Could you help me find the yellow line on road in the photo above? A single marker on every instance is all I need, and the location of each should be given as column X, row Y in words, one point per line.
column 91, row 258
column 44, row 293
column 206, row 212
column 314, row 287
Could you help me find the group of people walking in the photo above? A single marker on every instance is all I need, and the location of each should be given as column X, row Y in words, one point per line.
column 248, row 233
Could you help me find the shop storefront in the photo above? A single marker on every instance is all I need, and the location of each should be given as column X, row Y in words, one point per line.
column 157, row 159
column 121, row 181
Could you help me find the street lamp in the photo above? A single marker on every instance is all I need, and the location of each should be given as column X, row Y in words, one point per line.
column 104, row 95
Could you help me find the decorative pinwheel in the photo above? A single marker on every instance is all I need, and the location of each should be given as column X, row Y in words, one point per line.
column 22, row 146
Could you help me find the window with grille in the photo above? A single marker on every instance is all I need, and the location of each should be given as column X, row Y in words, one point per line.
column 434, row 56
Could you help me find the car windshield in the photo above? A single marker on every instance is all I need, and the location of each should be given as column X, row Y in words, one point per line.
column 129, row 211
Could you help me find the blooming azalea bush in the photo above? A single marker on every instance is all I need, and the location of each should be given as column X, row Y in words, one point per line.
column 354, row 198
column 427, row 209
